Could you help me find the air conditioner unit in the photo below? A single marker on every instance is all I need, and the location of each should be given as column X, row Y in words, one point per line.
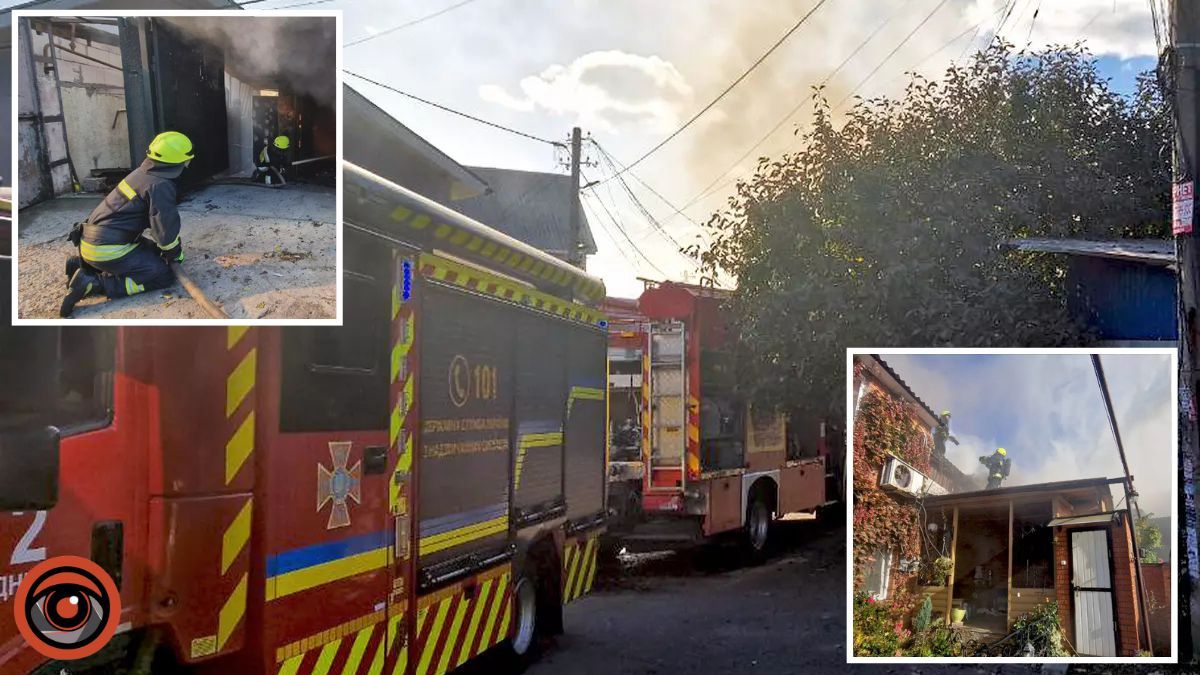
column 900, row 476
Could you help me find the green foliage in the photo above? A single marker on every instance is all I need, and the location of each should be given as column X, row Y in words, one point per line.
column 922, row 617
column 1149, row 538
column 888, row 230
column 940, row 640
column 877, row 630
column 1037, row 633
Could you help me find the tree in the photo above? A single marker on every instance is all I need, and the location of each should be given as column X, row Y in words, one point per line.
column 889, row 230
column 1149, row 538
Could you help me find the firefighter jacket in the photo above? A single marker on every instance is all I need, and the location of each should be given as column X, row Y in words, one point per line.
column 144, row 199
column 273, row 156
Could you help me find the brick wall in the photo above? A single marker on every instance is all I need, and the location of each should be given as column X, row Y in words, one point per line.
column 1062, row 581
column 1157, row 577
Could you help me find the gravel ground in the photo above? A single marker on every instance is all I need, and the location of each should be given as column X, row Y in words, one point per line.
column 260, row 253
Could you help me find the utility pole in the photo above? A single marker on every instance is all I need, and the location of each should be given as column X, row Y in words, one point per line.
column 574, row 250
column 1183, row 58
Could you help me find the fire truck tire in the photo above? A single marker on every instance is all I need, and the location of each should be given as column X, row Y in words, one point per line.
column 537, row 607
column 758, row 529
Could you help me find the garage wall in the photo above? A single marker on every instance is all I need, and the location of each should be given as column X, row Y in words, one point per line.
column 239, row 111
column 43, row 170
column 93, row 99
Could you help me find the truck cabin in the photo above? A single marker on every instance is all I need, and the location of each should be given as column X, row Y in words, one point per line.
column 1014, row 549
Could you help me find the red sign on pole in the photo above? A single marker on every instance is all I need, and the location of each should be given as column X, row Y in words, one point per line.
column 1183, row 202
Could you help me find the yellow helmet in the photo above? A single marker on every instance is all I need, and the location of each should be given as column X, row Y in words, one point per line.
column 171, row 147
column 1002, row 451
column 282, row 142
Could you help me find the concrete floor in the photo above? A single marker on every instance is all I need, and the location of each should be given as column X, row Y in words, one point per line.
column 258, row 252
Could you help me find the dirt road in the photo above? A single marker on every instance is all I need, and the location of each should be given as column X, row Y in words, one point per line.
column 260, row 253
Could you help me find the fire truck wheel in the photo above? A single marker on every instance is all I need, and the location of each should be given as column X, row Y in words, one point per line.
column 758, row 529
column 525, row 625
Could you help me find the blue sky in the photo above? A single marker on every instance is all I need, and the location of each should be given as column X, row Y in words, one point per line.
column 630, row 71
column 1047, row 412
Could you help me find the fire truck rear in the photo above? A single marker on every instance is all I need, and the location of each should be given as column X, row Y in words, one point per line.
column 395, row 496
column 689, row 457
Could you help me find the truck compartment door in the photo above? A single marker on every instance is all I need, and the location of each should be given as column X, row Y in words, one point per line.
column 587, row 410
column 541, row 395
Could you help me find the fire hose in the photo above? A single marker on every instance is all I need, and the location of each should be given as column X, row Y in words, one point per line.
column 211, row 308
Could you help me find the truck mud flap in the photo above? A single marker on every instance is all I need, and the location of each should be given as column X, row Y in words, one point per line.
column 579, row 565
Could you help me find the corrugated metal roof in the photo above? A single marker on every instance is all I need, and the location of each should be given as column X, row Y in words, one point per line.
column 1160, row 252
column 530, row 206
column 1057, row 486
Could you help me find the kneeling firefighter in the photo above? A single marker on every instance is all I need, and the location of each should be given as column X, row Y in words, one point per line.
column 114, row 258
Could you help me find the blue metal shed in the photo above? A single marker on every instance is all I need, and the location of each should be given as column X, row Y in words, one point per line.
column 1124, row 290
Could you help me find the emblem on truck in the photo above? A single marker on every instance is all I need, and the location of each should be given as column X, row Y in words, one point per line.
column 67, row 608
column 339, row 485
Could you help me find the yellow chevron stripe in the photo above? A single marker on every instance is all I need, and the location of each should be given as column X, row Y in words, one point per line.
column 310, row 577
column 231, row 613
column 497, row 606
column 335, row 633
column 505, row 615
column 236, row 536
column 482, row 599
column 329, row 652
column 356, row 651
column 435, row 632
column 239, row 447
column 377, row 663
column 291, row 666
column 460, row 613
column 582, row 571
column 234, row 334
column 591, row 575
column 240, row 382
column 462, row 535
column 404, row 463
column 401, row 662
column 575, row 560
column 568, row 556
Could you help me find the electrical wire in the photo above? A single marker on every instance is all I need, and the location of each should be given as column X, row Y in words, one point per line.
column 720, row 96
column 656, row 193
column 616, row 223
column 407, row 24
column 450, row 110
column 791, row 113
column 642, row 208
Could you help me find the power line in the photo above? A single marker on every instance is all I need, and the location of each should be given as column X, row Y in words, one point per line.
column 452, row 111
column 407, row 24
column 791, row 113
column 587, row 205
column 642, row 207
column 720, row 96
column 617, row 224
column 646, row 185
column 892, row 53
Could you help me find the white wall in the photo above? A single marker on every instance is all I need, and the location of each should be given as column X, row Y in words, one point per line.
column 239, row 111
column 93, row 98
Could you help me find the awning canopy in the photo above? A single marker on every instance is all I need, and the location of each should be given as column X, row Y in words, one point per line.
column 1084, row 520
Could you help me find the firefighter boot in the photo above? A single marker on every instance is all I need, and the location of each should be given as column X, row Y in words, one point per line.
column 74, row 262
column 83, row 284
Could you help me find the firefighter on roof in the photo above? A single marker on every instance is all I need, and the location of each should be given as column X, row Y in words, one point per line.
column 941, row 434
column 997, row 465
column 272, row 161
column 114, row 259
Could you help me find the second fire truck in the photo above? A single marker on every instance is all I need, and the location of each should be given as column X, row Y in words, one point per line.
column 689, row 457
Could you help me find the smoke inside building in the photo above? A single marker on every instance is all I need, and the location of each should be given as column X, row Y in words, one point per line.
column 91, row 97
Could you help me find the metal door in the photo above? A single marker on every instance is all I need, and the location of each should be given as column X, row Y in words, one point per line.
column 667, row 401
column 1092, row 593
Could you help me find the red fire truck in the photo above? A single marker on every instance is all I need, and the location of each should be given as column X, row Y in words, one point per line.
column 689, row 457
column 393, row 496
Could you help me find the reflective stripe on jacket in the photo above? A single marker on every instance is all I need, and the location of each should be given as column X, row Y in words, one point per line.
column 146, row 198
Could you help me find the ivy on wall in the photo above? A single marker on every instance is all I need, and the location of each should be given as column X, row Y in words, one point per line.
column 885, row 426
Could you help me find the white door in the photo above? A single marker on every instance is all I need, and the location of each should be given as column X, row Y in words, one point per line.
column 1091, row 585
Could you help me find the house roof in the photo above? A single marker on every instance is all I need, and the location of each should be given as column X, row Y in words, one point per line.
column 880, row 369
column 530, row 206
column 1155, row 252
column 389, row 136
column 1058, row 487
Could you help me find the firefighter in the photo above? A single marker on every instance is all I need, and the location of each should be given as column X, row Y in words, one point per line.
column 114, row 259
column 274, row 160
column 997, row 465
column 942, row 434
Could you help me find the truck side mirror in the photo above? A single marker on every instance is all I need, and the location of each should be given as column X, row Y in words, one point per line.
column 29, row 469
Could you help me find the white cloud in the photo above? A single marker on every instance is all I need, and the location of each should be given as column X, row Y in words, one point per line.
column 1120, row 28
column 604, row 91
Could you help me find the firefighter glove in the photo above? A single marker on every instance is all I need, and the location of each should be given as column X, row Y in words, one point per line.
column 173, row 253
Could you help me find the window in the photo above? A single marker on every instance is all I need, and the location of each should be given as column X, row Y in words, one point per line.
column 65, row 376
column 878, row 574
column 336, row 379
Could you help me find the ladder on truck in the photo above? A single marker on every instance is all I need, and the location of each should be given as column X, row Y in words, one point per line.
column 667, row 402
